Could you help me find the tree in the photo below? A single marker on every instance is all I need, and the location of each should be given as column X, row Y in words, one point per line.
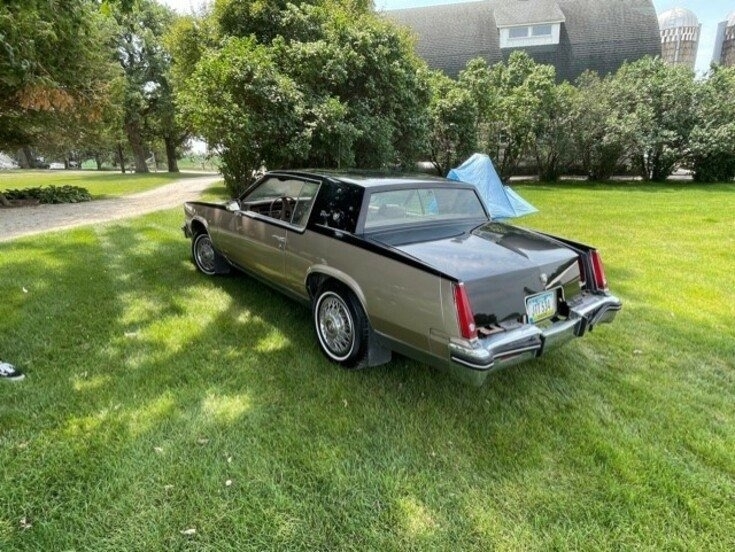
column 240, row 103
column 51, row 63
column 333, row 85
column 265, row 19
column 452, row 120
column 186, row 40
column 477, row 80
column 148, row 102
column 366, row 90
column 553, row 144
column 654, row 108
column 594, row 127
column 712, row 141
column 510, row 98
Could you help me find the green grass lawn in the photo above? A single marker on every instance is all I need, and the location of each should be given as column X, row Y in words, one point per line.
column 159, row 401
column 101, row 184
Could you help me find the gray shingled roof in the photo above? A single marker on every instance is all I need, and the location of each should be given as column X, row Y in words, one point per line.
column 527, row 12
column 596, row 34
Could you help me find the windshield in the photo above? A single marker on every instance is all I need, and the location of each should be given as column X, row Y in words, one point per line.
column 419, row 205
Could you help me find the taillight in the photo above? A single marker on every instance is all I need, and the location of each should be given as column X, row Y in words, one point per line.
column 464, row 312
column 599, row 270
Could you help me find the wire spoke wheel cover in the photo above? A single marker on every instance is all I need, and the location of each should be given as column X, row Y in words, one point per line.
column 335, row 326
column 204, row 254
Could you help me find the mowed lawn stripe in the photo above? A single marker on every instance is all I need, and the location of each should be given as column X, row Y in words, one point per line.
column 158, row 400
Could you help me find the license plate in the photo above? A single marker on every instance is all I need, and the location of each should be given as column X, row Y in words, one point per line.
column 541, row 306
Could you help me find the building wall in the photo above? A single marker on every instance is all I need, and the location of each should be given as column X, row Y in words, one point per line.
column 596, row 34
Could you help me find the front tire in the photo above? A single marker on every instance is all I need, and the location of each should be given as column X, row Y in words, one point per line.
column 341, row 325
column 206, row 258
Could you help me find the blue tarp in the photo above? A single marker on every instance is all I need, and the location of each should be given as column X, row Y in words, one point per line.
column 501, row 201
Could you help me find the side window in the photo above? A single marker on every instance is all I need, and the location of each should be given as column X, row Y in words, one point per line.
column 273, row 188
column 304, row 201
column 285, row 198
column 338, row 206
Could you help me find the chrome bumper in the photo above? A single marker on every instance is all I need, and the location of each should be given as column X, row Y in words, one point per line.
column 473, row 361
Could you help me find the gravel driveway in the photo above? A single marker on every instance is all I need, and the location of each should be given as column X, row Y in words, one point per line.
column 26, row 221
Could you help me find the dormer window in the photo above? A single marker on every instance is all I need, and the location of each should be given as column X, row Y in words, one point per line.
column 530, row 31
column 529, row 35
column 522, row 24
column 518, row 32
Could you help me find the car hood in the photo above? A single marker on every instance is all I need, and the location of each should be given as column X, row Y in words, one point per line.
column 500, row 265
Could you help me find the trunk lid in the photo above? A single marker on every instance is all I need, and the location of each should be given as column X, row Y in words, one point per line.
column 499, row 264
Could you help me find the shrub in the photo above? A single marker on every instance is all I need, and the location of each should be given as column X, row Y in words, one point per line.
column 712, row 141
column 51, row 194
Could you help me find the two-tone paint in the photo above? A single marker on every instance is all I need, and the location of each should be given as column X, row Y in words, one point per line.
column 405, row 278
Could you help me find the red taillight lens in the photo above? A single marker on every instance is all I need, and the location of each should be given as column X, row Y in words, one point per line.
column 599, row 270
column 464, row 312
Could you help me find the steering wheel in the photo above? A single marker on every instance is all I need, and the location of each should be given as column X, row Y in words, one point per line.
column 285, row 210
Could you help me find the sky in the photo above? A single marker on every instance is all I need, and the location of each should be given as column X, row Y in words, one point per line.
column 709, row 13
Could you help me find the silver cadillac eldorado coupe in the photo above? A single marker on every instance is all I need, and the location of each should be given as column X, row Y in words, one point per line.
column 412, row 264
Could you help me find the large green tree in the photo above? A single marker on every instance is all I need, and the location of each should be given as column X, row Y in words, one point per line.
column 452, row 119
column 242, row 105
column 366, row 91
column 712, row 141
column 329, row 84
column 148, row 105
column 265, row 19
column 512, row 97
column 52, row 62
column 653, row 105
column 595, row 128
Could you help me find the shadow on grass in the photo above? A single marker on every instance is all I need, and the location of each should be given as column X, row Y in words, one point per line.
column 150, row 386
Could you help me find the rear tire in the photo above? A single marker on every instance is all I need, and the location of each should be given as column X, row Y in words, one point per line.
column 341, row 325
column 206, row 258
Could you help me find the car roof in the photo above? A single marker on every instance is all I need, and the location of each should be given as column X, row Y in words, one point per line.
column 374, row 179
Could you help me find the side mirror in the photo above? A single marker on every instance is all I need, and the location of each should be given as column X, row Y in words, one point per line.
column 233, row 206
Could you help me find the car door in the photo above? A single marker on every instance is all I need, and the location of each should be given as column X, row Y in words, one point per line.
column 259, row 243
column 256, row 236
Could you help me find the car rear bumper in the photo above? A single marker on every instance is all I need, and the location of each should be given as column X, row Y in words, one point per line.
column 474, row 361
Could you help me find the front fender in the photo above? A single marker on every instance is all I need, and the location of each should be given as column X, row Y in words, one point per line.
column 197, row 221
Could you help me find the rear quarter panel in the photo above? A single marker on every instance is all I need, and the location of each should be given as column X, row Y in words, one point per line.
column 402, row 302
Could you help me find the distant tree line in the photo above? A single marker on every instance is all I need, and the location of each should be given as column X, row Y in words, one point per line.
column 647, row 119
column 87, row 79
column 333, row 84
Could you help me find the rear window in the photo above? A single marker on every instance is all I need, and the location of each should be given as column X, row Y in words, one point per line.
column 419, row 205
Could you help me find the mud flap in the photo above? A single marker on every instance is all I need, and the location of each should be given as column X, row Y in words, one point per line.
column 377, row 352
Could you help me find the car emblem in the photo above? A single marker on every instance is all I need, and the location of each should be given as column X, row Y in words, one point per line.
column 544, row 278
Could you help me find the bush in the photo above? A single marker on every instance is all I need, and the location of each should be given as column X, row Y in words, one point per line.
column 712, row 142
column 717, row 167
column 51, row 194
